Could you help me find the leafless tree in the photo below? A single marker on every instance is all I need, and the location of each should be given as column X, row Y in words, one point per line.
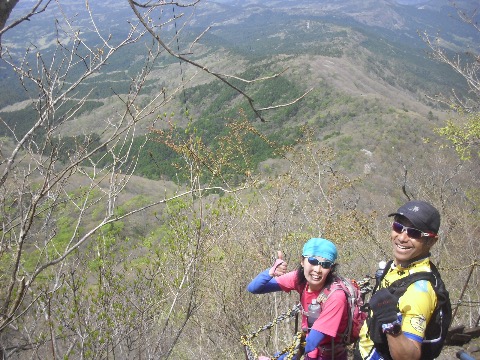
column 459, row 180
column 466, row 64
column 44, row 178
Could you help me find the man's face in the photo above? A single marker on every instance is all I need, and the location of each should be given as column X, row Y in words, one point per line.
column 406, row 248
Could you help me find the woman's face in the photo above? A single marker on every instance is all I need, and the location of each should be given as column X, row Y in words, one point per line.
column 316, row 275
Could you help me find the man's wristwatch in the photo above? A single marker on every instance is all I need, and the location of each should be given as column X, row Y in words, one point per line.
column 393, row 328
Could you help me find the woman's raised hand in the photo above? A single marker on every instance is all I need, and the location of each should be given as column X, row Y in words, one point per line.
column 279, row 267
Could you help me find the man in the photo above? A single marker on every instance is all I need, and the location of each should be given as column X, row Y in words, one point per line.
column 396, row 326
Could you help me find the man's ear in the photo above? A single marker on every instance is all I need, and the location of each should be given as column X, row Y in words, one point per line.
column 432, row 241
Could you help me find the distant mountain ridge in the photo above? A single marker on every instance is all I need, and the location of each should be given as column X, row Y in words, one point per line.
column 398, row 15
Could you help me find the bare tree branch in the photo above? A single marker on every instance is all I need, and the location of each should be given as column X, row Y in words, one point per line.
column 6, row 7
column 146, row 22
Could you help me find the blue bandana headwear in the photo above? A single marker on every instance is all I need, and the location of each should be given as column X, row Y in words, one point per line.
column 320, row 247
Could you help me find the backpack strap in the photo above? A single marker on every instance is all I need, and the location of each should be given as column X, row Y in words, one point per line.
column 341, row 283
column 323, row 297
column 402, row 284
column 387, row 267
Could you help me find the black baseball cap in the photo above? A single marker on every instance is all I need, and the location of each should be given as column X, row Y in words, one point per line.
column 421, row 214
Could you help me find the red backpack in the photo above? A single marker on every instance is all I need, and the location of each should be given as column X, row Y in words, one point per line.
column 356, row 316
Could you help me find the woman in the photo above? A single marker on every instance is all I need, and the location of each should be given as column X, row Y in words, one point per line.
column 312, row 280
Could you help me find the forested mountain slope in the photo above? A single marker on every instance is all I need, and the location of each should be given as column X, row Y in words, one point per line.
column 360, row 59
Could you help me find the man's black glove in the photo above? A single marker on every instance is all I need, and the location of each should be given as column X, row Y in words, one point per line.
column 384, row 306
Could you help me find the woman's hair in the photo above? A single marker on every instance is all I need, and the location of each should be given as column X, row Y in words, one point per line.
column 330, row 277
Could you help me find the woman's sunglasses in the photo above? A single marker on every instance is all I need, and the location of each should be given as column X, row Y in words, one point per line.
column 411, row 232
column 324, row 264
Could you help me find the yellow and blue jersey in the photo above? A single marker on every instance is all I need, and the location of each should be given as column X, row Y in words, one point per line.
column 415, row 306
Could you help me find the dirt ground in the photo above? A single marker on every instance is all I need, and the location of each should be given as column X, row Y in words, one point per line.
column 472, row 348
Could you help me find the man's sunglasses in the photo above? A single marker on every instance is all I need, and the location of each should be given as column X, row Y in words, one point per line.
column 411, row 232
column 324, row 264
